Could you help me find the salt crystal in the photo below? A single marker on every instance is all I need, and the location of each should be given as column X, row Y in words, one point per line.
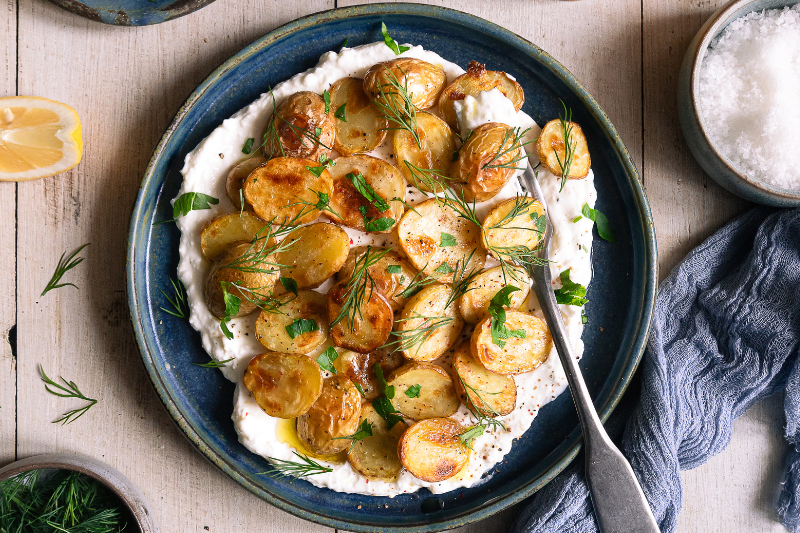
column 750, row 95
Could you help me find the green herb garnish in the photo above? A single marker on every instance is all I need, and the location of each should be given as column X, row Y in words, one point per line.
column 360, row 284
column 601, row 222
column 64, row 265
column 326, row 97
column 68, row 390
column 501, row 333
column 232, row 304
column 191, row 201
column 468, row 436
column 447, row 240
column 326, row 359
column 214, row 363
column 289, row 284
column 248, row 146
column 414, row 391
column 569, row 145
column 341, row 112
column 397, row 49
column 394, row 269
column 304, row 468
column 300, row 326
column 570, row 293
column 180, row 307
column 364, row 430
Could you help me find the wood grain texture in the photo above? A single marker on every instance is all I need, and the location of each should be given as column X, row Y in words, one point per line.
column 8, row 230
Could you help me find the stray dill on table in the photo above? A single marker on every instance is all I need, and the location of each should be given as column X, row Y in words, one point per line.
column 303, row 468
column 397, row 106
column 65, row 264
column 68, row 390
column 360, row 282
column 180, row 307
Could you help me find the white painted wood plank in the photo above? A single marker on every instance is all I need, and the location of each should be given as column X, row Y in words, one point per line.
column 126, row 84
column 8, row 199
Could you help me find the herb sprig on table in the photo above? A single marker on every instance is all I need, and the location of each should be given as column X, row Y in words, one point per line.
column 68, row 390
column 64, row 266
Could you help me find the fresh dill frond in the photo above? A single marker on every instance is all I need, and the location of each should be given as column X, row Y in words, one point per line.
column 65, row 264
column 303, row 468
column 356, row 289
column 409, row 339
column 180, row 307
column 396, row 104
column 462, row 279
column 214, row 363
column 68, row 390
column 323, row 203
column 512, row 143
column 569, row 145
column 483, row 420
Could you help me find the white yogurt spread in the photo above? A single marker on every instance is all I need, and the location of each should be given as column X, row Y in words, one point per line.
column 205, row 170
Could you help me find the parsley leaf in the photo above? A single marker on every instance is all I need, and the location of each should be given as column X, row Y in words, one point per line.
column 540, row 221
column 397, row 49
column 413, row 391
column 380, row 224
column 317, row 171
column 383, row 406
column 300, row 326
column 248, row 146
column 364, row 430
column 326, row 359
column 317, row 133
column 386, row 389
column 366, row 190
column 500, row 333
column 232, row 303
column 393, row 269
column 600, row 220
column 471, row 434
column 360, row 389
column 584, row 318
column 192, row 201
column 340, row 112
column 570, row 293
column 289, row 284
column 326, row 96
column 444, row 268
column 344, row 44
column 447, row 240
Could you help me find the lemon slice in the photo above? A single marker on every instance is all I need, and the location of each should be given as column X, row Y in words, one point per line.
column 38, row 138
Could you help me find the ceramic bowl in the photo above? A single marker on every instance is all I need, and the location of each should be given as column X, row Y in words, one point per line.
column 112, row 478
column 712, row 160
column 131, row 12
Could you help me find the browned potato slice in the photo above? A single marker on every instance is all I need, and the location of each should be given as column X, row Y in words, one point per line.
column 474, row 304
column 422, row 232
column 475, row 80
column 551, row 142
column 283, row 385
column 512, row 223
column 360, row 368
column 361, row 332
column 431, row 449
column 232, row 268
column 271, row 327
column 426, row 328
column 392, row 284
column 518, row 355
column 437, row 145
column 364, row 127
column 276, row 189
column 479, row 165
column 376, row 457
column 223, row 230
column 490, row 393
column 235, row 180
column 423, row 390
column 346, row 200
column 292, row 129
column 317, row 252
column 421, row 80
column 334, row 415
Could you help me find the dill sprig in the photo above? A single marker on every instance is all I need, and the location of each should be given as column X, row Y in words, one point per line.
column 356, row 288
column 512, row 137
column 397, row 105
column 408, row 339
column 462, row 279
column 569, row 144
column 214, row 363
column 303, row 468
column 491, row 421
column 64, row 266
column 323, row 203
column 68, row 390
column 180, row 307
column 427, row 178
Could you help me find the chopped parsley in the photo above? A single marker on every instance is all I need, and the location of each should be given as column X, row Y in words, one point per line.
column 570, row 293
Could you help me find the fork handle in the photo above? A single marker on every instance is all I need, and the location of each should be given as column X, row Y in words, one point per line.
column 620, row 505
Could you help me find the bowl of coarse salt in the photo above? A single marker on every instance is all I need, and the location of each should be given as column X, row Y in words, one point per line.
column 739, row 99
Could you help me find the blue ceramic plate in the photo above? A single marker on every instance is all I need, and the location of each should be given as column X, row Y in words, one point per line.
column 131, row 12
column 621, row 296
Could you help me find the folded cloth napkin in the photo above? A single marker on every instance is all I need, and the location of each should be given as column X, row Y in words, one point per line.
column 726, row 334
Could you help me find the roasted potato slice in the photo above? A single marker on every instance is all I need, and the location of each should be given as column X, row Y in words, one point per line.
column 437, row 143
column 434, row 223
column 423, row 390
column 233, row 268
column 333, row 416
column 490, row 393
column 300, row 128
column 364, row 329
column 511, row 224
column 487, row 159
column 517, row 355
column 393, row 283
column 473, row 305
column 364, row 126
column 277, row 190
column 307, row 305
column 317, row 252
column 284, row 385
column 235, row 180
column 223, row 230
column 431, row 449
column 551, row 144
column 477, row 79
column 360, row 368
column 426, row 328
column 419, row 80
column 372, row 175
column 376, row 457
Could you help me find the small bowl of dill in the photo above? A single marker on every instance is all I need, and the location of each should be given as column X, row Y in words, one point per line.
column 70, row 492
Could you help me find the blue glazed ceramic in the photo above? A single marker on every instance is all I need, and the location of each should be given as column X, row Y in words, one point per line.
column 131, row 12
column 716, row 164
column 621, row 296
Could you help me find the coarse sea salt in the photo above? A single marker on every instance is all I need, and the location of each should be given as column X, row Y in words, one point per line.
column 750, row 95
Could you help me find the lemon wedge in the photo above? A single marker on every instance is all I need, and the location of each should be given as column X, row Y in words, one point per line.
column 38, row 138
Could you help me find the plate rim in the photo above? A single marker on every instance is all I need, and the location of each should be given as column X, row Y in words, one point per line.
column 77, row 7
column 647, row 299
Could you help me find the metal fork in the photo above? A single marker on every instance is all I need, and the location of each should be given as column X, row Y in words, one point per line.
column 619, row 503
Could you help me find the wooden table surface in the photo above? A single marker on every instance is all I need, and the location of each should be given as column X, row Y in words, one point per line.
column 127, row 83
